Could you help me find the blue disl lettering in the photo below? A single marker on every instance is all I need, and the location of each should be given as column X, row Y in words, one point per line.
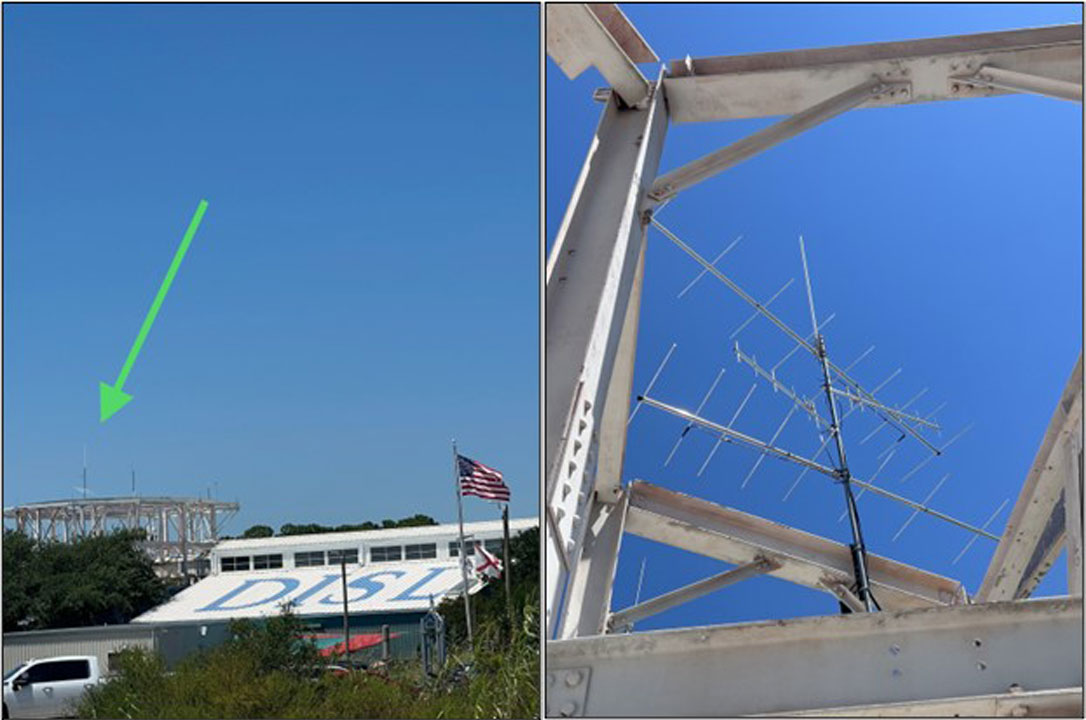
column 406, row 595
column 289, row 586
column 328, row 580
column 366, row 583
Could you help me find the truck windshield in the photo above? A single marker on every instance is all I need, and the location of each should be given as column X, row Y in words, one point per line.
column 14, row 671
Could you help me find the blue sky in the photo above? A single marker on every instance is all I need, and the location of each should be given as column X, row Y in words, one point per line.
column 363, row 288
column 948, row 235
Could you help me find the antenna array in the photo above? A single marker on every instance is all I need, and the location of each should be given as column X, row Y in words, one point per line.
column 837, row 387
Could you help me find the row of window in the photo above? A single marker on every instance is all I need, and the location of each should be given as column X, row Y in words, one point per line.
column 492, row 546
column 386, row 553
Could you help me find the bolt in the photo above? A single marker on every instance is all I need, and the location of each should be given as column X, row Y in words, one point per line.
column 895, row 649
column 896, row 672
column 573, row 678
column 982, row 666
column 568, row 709
column 977, row 642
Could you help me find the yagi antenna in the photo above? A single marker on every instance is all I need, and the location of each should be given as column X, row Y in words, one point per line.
column 905, row 406
column 802, row 403
column 985, row 526
column 701, row 274
column 730, row 435
column 796, row 337
column 826, row 440
column 652, row 381
column 754, row 315
column 829, row 426
column 731, row 422
column 686, row 429
column 917, row 512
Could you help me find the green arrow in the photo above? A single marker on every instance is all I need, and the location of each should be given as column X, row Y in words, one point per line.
column 112, row 398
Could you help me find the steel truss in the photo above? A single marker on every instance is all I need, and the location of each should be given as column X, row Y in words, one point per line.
column 179, row 531
column 929, row 646
column 950, row 654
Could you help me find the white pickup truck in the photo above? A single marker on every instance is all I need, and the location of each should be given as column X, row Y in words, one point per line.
column 49, row 687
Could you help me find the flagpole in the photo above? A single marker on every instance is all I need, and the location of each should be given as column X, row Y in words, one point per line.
column 508, row 568
column 463, row 554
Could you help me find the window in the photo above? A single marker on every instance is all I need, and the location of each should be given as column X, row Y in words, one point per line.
column 14, row 671
column 58, row 671
column 267, row 562
column 454, row 548
column 493, row 546
column 385, row 554
column 420, row 552
column 335, row 557
column 232, row 564
column 309, row 559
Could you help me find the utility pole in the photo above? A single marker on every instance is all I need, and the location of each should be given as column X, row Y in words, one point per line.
column 346, row 621
column 508, row 568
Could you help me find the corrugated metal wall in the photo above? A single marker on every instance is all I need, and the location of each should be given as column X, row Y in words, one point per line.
column 96, row 641
column 175, row 641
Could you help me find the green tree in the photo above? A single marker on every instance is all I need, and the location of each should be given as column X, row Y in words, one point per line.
column 22, row 582
column 488, row 605
column 258, row 531
column 102, row 579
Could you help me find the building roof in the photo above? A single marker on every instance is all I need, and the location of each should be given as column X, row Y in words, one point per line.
column 337, row 539
column 387, row 587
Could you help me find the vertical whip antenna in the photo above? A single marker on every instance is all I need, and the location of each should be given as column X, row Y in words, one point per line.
column 810, row 295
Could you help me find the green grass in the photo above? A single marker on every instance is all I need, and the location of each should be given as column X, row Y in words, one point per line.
column 265, row 672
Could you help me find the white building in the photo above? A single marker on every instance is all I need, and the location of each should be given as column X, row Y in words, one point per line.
column 390, row 572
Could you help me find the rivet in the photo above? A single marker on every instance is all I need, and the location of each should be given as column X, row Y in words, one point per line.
column 568, row 709
column 573, row 678
column 895, row 649
column 982, row 666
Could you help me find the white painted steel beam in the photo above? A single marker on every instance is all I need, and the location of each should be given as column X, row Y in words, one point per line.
column 803, row 664
column 1024, row 82
column 1072, row 505
column 592, row 295
column 588, row 598
column 674, row 182
column 784, row 83
column 738, row 538
column 1063, row 702
column 660, row 603
column 579, row 35
column 1036, row 529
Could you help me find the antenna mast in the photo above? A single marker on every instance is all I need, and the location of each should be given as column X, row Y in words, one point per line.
column 857, row 547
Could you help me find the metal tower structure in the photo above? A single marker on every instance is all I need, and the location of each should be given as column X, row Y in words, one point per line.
column 180, row 531
column 959, row 654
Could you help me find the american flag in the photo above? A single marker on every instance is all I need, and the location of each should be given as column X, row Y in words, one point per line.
column 481, row 481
